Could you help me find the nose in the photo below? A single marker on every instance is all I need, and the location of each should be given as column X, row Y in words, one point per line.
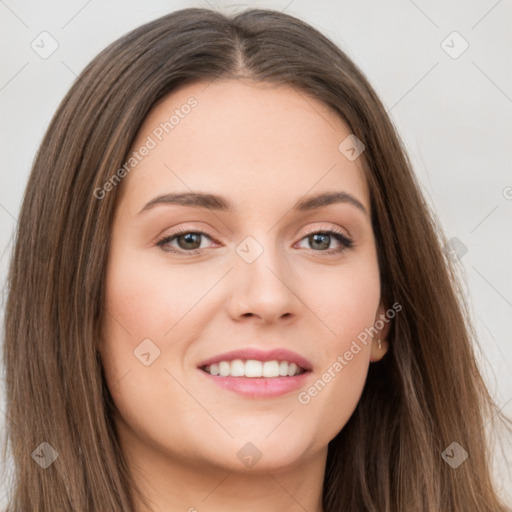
column 264, row 288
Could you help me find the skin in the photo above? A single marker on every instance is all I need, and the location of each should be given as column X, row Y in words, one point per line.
column 263, row 148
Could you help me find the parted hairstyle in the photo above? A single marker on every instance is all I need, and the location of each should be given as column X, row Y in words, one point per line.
column 427, row 391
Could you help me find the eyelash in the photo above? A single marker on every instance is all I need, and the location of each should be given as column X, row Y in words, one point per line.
column 346, row 243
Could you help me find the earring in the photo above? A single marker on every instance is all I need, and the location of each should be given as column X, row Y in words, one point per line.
column 380, row 344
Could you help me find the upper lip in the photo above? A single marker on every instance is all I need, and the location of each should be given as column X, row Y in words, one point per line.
column 279, row 354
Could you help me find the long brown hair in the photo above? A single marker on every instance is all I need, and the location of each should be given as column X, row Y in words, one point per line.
column 426, row 393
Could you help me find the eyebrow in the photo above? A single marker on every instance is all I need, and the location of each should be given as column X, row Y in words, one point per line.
column 215, row 202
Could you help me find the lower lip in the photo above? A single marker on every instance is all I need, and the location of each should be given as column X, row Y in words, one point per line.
column 259, row 387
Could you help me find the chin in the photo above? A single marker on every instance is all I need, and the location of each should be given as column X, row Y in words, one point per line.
column 273, row 454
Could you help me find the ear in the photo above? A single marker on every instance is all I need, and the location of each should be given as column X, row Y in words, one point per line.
column 382, row 324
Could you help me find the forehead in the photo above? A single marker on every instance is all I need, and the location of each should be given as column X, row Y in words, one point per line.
column 243, row 139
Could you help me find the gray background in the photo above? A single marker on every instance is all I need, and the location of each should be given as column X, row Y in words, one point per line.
column 452, row 109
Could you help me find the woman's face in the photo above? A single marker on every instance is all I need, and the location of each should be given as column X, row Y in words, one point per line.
column 251, row 276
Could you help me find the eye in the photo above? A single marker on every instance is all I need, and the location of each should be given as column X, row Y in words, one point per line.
column 189, row 242
column 321, row 240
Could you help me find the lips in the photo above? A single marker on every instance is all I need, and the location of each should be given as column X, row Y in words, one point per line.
column 257, row 374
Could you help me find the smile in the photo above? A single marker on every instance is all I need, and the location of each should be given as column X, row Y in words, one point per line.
column 253, row 368
column 255, row 373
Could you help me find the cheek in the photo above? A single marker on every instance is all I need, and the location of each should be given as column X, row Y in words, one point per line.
column 150, row 308
column 345, row 300
column 139, row 310
column 333, row 395
column 146, row 311
column 148, row 300
column 347, row 303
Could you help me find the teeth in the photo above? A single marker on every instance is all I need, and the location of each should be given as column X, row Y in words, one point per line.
column 224, row 368
column 292, row 368
column 237, row 368
column 271, row 369
column 253, row 368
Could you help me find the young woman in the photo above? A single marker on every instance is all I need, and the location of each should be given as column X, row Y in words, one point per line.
column 227, row 292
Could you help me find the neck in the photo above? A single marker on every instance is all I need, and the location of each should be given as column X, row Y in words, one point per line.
column 172, row 483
